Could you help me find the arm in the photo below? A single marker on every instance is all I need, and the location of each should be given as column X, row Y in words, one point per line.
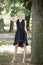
column 14, row 19
column 25, row 26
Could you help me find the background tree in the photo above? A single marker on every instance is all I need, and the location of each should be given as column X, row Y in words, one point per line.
column 27, row 4
column 12, row 7
column 1, row 19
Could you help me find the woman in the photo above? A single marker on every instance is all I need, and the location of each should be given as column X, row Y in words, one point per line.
column 20, row 36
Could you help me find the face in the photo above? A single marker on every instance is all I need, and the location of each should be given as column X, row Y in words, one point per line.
column 20, row 15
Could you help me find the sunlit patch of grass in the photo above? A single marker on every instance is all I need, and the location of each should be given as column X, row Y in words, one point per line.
column 4, row 42
column 5, row 53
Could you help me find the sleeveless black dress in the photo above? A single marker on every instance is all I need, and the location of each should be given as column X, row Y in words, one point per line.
column 21, row 35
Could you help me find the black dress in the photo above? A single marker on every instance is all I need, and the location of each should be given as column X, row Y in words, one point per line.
column 21, row 35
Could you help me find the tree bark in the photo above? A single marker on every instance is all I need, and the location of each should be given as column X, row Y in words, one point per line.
column 27, row 19
column 1, row 25
column 37, row 32
column 11, row 27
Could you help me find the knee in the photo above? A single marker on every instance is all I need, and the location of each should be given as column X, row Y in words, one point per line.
column 16, row 46
column 24, row 45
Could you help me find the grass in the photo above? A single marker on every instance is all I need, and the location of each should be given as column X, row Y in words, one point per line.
column 6, row 57
column 4, row 42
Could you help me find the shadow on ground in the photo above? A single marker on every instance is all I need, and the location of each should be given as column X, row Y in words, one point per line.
column 6, row 57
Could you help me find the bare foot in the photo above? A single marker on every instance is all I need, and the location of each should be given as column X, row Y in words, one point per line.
column 23, row 61
column 11, row 63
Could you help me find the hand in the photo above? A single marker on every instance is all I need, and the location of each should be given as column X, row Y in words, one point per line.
column 12, row 19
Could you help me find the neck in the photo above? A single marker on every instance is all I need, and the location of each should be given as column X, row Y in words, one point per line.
column 20, row 20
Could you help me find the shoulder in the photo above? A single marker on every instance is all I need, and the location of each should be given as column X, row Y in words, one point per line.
column 24, row 20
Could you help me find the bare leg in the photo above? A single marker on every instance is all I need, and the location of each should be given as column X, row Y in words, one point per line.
column 15, row 51
column 24, row 53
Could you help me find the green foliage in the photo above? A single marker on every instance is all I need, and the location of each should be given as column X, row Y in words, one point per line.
column 1, row 1
column 25, row 1
column 4, row 42
column 9, row 6
column 15, row 10
column 26, row 11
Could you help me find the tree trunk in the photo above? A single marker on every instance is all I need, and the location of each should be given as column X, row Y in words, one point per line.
column 1, row 9
column 11, row 27
column 37, row 31
column 27, row 19
column 1, row 25
column 28, row 6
